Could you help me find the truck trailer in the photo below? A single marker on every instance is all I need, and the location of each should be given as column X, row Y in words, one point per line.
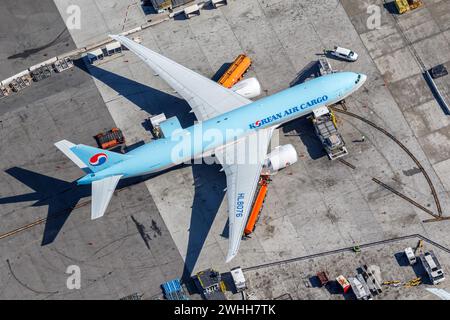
column 236, row 71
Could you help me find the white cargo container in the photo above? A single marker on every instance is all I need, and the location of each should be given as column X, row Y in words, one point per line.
column 113, row 47
column 239, row 279
column 155, row 122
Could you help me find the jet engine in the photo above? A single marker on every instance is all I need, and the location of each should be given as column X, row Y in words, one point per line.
column 248, row 88
column 281, row 157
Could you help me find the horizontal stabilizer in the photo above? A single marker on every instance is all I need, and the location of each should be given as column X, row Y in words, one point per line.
column 102, row 191
column 64, row 146
column 90, row 159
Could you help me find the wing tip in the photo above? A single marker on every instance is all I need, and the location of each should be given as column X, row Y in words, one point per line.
column 62, row 143
column 96, row 215
column 230, row 257
column 65, row 147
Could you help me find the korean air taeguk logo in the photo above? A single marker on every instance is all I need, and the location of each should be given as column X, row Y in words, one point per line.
column 98, row 159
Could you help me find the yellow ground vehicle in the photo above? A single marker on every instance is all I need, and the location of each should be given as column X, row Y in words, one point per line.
column 413, row 4
column 235, row 71
column 406, row 5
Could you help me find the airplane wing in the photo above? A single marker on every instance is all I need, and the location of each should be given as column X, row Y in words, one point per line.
column 102, row 191
column 206, row 97
column 242, row 163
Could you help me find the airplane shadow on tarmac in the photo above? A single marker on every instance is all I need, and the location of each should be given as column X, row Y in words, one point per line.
column 305, row 130
column 60, row 196
column 303, row 126
column 147, row 98
column 209, row 184
column 208, row 180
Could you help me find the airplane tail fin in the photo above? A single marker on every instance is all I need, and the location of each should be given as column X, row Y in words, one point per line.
column 88, row 158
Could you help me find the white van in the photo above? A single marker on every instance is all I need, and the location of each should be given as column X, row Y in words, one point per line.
column 344, row 53
column 410, row 255
column 238, row 278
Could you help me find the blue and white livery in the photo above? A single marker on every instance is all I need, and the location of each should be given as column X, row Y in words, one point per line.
column 238, row 121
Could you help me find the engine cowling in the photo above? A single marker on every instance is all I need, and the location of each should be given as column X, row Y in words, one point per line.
column 248, row 88
column 281, row 157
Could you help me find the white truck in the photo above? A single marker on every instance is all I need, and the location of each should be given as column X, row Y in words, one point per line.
column 345, row 54
column 360, row 287
column 239, row 279
column 432, row 267
column 325, row 128
column 410, row 256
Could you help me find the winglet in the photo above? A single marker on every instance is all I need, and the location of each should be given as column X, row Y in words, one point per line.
column 230, row 256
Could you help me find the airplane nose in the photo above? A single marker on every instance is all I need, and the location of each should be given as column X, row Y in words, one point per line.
column 363, row 78
column 360, row 79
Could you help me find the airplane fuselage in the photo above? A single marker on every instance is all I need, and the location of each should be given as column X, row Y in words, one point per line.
column 206, row 136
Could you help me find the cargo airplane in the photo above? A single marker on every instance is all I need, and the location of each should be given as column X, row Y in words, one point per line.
column 241, row 122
